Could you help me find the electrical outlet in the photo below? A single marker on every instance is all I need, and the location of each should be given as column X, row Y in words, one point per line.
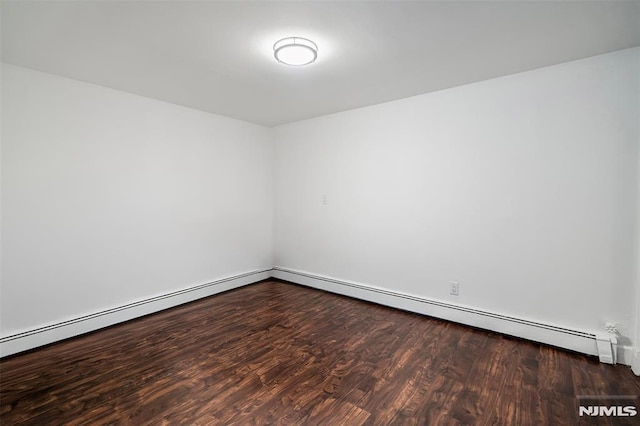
column 454, row 288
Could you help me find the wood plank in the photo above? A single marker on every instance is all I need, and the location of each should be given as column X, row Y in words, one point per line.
column 278, row 353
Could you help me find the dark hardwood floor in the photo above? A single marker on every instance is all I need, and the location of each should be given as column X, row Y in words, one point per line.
column 277, row 353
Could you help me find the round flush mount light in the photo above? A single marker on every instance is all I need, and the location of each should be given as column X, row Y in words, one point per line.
column 295, row 51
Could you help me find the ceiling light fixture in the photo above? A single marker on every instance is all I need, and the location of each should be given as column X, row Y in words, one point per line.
column 295, row 51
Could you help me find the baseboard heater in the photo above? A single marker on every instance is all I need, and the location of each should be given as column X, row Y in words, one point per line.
column 35, row 337
column 591, row 343
column 601, row 344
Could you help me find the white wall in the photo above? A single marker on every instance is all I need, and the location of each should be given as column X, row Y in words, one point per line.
column 636, row 352
column 521, row 188
column 110, row 198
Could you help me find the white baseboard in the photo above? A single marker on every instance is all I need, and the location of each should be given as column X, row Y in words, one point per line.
column 635, row 360
column 33, row 338
column 625, row 355
column 575, row 340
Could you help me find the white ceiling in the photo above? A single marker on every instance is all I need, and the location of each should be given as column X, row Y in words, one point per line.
column 218, row 57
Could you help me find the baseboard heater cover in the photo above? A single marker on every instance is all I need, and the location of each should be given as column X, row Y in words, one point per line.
column 575, row 340
column 33, row 338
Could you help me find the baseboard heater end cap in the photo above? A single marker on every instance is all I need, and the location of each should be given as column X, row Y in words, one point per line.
column 607, row 347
